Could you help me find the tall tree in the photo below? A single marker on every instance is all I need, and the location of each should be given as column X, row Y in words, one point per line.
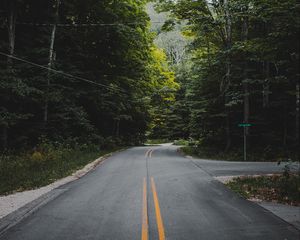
column 242, row 52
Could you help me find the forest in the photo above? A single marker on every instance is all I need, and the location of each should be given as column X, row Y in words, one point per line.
column 77, row 79
column 104, row 73
column 85, row 70
column 149, row 119
column 240, row 66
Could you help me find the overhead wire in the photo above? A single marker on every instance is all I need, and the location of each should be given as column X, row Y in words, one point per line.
column 73, row 25
column 68, row 75
column 83, row 24
column 61, row 73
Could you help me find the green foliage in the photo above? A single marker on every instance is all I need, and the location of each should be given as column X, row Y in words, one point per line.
column 240, row 50
column 157, row 141
column 212, row 153
column 200, row 149
column 119, row 55
column 181, row 142
column 42, row 166
column 122, row 80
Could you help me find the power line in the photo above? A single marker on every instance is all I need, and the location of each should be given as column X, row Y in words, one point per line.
column 83, row 24
column 67, row 74
column 60, row 72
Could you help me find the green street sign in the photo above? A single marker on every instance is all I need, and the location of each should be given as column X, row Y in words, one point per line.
column 245, row 125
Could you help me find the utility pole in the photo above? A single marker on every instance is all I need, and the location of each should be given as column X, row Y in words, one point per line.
column 51, row 60
column 245, row 128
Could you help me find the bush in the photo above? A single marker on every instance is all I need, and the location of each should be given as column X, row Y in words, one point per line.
column 181, row 142
column 157, row 141
column 48, row 162
column 284, row 188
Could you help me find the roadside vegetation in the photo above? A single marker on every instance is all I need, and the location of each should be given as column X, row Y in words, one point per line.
column 101, row 73
column 284, row 188
column 157, row 141
column 210, row 153
column 108, row 83
column 181, row 142
column 236, row 154
column 47, row 163
column 88, row 71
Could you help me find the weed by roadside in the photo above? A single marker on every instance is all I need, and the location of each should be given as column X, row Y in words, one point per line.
column 233, row 155
column 211, row 154
column 44, row 165
column 157, row 141
column 181, row 142
column 283, row 188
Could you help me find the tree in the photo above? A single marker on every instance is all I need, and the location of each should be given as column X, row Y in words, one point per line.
column 242, row 53
column 103, row 72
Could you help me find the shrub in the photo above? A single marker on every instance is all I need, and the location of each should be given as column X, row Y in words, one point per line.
column 47, row 163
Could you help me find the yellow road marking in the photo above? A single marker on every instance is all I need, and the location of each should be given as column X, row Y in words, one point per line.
column 150, row 153
column 146, row 154
column 145, row 212
column 160, row 225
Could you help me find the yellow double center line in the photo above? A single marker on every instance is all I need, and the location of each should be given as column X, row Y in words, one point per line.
column 159, row 221
column 160, row 225
column 149, row 153
column 145, row 212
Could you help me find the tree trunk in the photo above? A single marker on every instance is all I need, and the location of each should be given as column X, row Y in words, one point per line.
column 11, row 30
column 208, row 52
column 285, row 127
column 11, row 49
column 266, row 85
column 245, row 80
column 118, row 128
column 228, row 132
column 297, row 112
column 228, row 23
column 51, row 60
column 4, row 137
column 228, row 71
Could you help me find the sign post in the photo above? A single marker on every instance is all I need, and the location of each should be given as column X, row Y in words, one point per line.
column 245, row 126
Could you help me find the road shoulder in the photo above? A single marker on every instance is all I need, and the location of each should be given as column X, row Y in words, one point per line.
column 15, row 207
column 290, row 214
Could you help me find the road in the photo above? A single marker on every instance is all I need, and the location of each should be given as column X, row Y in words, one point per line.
column 150, row 193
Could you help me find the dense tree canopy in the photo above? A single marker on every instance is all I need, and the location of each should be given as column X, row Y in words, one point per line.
column 107, row 71
column 244, row 67
column 96, row 71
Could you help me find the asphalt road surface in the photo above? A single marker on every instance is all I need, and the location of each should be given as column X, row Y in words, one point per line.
column 151, row 193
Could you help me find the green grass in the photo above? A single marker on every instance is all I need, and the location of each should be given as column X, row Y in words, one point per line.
column 44, row 166
column 233, row 155
column 206, row 153
column 181, row 142
column 283, row 188
column 157, row 141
